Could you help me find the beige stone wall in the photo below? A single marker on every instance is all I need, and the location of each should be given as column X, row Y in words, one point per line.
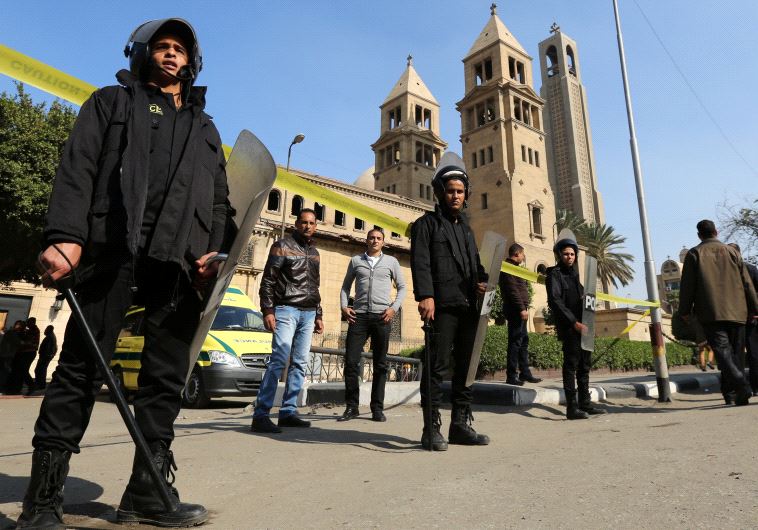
column 611, row 322
column 41, row 309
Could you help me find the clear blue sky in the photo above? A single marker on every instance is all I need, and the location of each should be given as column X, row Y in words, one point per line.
column 323, row 67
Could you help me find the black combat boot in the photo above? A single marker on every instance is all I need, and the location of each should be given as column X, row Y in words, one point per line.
column 585, row 403
column 573, row 412
column 142, row 503
column 431, row 437
column 461, row 432
column 43, row 502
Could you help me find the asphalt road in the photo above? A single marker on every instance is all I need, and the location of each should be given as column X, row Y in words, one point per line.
column 689, row 464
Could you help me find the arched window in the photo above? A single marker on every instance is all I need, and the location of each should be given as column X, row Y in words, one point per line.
column 570, row 59
column 274, row 199
column 320, row 210
column 552, row 61
column 297, row 205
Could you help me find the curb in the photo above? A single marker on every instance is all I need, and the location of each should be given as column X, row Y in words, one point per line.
column 499, row 393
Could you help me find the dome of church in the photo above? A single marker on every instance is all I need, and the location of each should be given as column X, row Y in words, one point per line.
column 366, row 179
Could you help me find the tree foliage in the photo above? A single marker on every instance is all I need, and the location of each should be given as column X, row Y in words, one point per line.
column 740, row 222
column 602, row 243
column 31, row 142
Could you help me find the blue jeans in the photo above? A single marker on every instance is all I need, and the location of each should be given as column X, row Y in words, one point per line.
column 292, row 340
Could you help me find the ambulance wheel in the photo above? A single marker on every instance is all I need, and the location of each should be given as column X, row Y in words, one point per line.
column 194, row 396
column 118, row 373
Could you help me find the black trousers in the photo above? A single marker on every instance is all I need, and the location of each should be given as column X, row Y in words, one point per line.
column 518, row 348
column 727, row 339
column 171, row 316
column 576, row 365
column 367, row 325
column 19, row 375
column 454, row 333
column 751, row 341
column 40, row 371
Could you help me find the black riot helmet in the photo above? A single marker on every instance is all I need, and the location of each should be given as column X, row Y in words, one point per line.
column 566, row 242
column 450, row 167
column 138, row 50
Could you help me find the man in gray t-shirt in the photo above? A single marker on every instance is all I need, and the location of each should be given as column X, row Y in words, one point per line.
column 370, row 316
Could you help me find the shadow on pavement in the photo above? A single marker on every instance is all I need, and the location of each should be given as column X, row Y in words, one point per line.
column 371, row 441
column 82, row 492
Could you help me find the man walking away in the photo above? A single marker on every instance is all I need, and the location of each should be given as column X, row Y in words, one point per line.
column 515, row 294
column 564, row 296
column 371, row 316
column 47, row 351
column 716, row 287
column 291, row 305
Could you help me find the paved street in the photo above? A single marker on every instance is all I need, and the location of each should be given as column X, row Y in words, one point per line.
column 689, row 464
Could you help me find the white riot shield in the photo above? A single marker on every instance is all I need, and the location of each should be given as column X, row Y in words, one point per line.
column 589, row 302
column 491, row 256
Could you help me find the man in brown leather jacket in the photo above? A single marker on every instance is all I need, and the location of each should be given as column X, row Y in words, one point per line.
column 291, row 305
column 717, row 288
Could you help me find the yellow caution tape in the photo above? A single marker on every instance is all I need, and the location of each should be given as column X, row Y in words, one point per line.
column 536, row 277
column 630, row 326
column 45, row 77
column 42, row 76
column 621, row 300
column 521, row 272
column 322, row 195
column 64, row 86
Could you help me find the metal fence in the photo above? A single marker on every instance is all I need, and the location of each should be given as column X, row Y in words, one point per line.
column 327, row 362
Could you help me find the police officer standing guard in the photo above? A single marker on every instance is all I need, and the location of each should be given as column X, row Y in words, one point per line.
column 447, row 279
column 138, row 206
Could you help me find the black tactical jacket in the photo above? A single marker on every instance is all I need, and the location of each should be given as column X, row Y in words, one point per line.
column 291, row 276
column 564, row 297
column 100, row 189
column 436, row 264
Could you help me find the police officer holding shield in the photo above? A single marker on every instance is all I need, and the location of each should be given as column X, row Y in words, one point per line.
column 138, row 206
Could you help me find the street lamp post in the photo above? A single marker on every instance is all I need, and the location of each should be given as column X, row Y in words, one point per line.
column 296, row 140
column 656, row 335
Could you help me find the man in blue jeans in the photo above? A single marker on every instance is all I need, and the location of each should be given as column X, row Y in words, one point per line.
column 370, row 316
column 291, row 306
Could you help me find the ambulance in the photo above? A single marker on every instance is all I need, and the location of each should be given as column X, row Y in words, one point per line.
column 232, row 361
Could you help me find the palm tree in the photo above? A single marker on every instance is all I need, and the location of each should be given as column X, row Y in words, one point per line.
column 603, row 244
column 568, row 219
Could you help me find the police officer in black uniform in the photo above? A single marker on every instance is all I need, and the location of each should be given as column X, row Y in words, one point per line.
column 447, row 279
column 564, row 297
column 138, row 206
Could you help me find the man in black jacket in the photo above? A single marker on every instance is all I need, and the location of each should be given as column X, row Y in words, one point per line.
column 447, row 280
column 515, row 294
column 564, row 296
column 138, row 206
column 291, row 305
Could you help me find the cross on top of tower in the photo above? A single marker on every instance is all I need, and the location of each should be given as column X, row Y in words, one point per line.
column 410, row 60
column 493, row 9
column 555, row 28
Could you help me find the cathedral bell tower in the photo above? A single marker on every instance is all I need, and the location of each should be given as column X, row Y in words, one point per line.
column 503, row 145
column 409, row 145
column 570, row 154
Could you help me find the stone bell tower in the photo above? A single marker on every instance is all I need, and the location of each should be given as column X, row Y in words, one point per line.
column 409, row 145
column 570, row 155
column 504, row 149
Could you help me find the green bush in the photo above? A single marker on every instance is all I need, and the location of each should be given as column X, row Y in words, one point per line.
column 546, row 352
column 415, row 352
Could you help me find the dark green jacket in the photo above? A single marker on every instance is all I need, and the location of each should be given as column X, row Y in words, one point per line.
column 715, row 284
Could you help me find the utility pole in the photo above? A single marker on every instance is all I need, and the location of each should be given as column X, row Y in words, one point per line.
column 656, row 335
